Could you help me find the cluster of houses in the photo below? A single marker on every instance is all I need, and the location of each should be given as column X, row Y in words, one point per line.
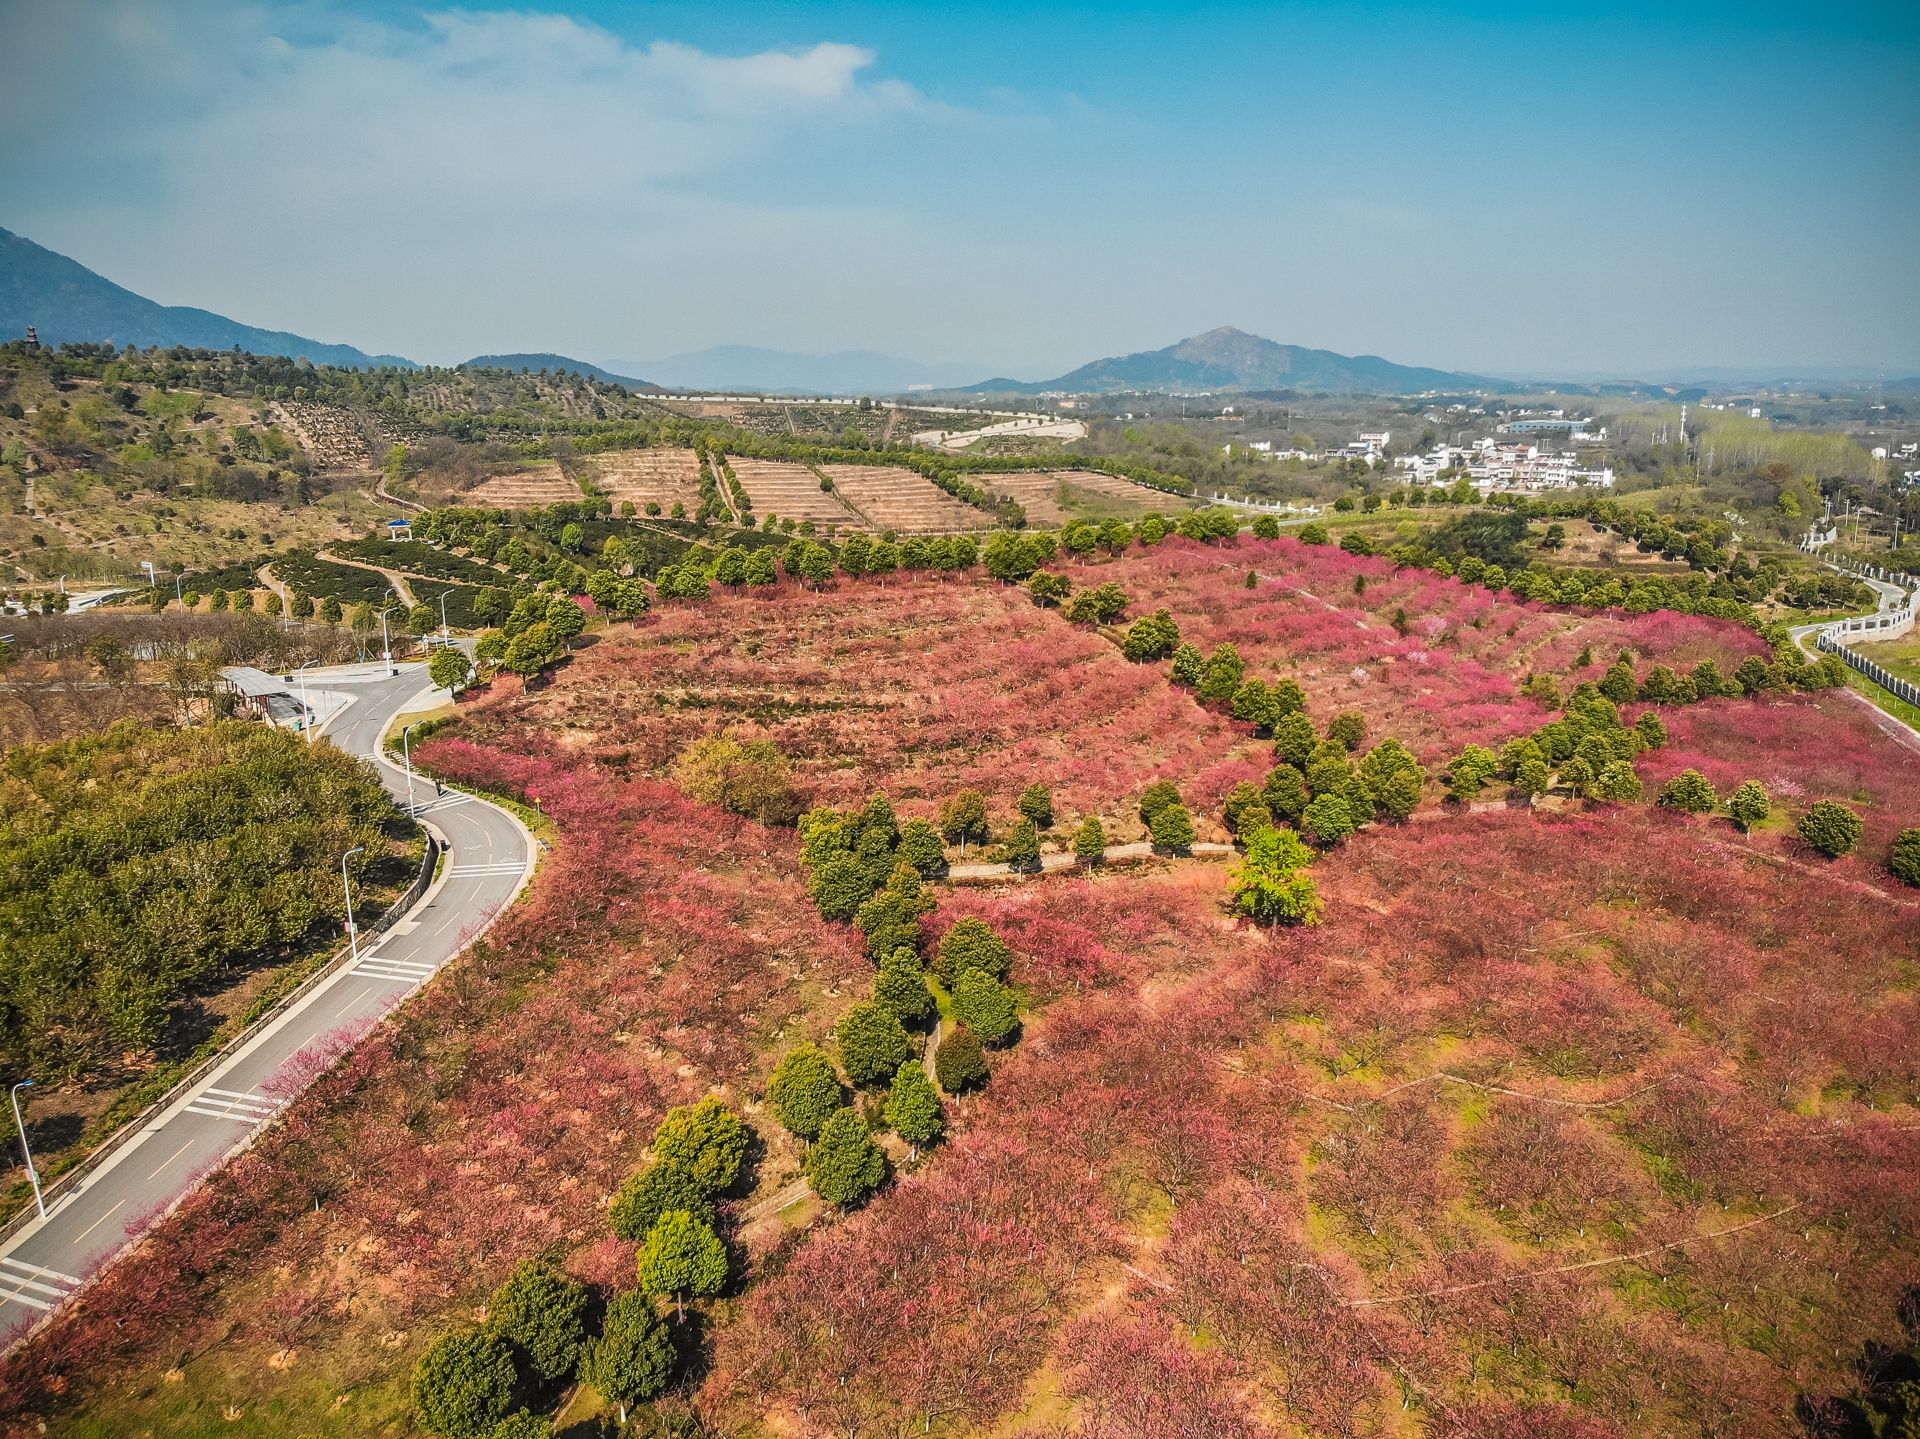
column 1487, row 463
column 1490, row 465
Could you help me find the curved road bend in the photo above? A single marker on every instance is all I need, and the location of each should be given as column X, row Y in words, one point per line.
column 489, row 857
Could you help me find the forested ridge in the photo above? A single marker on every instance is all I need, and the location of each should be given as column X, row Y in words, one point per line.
column 139, row 863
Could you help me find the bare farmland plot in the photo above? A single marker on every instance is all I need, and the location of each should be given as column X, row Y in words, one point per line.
column 661, row 477
column 1052, row 497
column 790, row 491
column 538, row 484
column 897, row 499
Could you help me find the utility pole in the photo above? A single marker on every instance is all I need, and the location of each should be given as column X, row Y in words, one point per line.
column 353, row 930
column 406, row 753
column 20, row 1125
column 306, row 710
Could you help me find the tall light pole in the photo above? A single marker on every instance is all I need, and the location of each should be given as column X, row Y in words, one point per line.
column 20, row 1125
column 353, row 930
column 406, row 753
column 386, row 645
column 306, row 710
column 444, row 635
column 153, row 580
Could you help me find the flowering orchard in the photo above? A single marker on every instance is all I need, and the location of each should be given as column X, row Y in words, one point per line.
column 1547, row 1122
column 1435, row 661
column 1576, row 1126
column 915, row 685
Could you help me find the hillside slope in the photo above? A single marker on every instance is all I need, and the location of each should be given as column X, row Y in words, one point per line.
column 68, row 303
column 536, row 361
column 1230, row 359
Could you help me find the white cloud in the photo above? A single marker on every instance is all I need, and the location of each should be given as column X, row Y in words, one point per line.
column 455, row 184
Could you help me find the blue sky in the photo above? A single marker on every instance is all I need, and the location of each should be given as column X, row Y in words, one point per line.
column 1505, row 188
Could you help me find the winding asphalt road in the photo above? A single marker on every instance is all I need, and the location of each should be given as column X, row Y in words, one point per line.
column 489, row 857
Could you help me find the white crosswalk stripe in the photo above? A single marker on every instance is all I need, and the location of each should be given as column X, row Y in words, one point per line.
column 403, row 970
column 504, row 867
column 231, row 1104
column 48, row 1286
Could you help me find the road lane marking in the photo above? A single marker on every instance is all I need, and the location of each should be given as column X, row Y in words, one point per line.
column 78, row 1238
column 170, row 1158
column 8, row 1259
column 238, row 1115
column 354, row 1003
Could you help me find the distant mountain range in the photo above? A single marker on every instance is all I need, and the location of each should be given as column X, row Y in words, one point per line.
column 748, row 367
column 531, row 362
column 1231, row 360
column 69, row 304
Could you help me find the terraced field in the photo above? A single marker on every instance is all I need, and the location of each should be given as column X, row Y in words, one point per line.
column 538, row 484
column 661, row 477
column 898, row 499
column 779, row 487
column 1052, row 497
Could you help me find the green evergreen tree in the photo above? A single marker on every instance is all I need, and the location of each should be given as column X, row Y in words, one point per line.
column 656, row 1189
column 1904, row 859
column 805, row 1091
column 1748, row 805
column 1156, row 797
column 706, row 1141
column 1223, row 675
column 682, row 1257
column 913, row 1106
column 1023, row 847
column 635, row 1357
column 1329, row 820
column 960, row 1064
column 971, row 944
column 464, row 1383
column 543, row 1314
column 985, row 1006
column 902, row 987
column 1270, row 885
column 1090, row 840
column 1245, row 810
column 920, row 847
column 1347, row 729
column 1690, row 791
column 1189, row 665
column 845, row 1166
column 1615, row 783
column 1831, row 828
column 1171, row 829
column 873, row 1043
column 1036, row 804
column 1285, row 792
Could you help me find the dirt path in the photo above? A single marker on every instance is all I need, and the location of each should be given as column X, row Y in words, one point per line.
column 267, row 577
column 381, row 493
column 1115, row 854
column 394, row 578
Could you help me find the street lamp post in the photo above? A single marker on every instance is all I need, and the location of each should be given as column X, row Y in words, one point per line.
column 386, row 645
column 406, row 753
column 21, row 1125
column 353, row 930
column 153, row 579
column 444, row 634
column 306, row 710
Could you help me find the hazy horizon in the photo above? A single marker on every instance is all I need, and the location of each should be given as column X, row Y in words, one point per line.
column 1490, row 189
